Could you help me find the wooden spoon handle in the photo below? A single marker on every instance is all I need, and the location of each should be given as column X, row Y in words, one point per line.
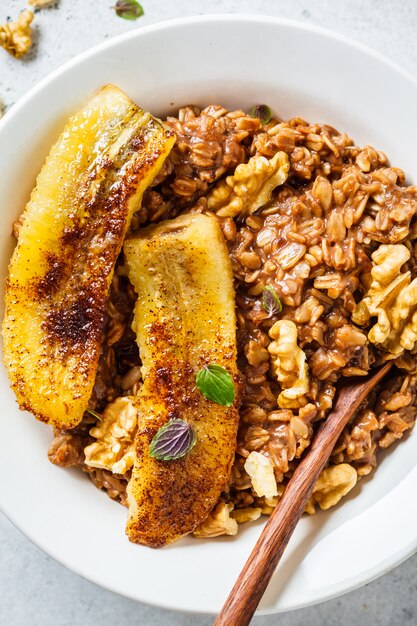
column 256, row 574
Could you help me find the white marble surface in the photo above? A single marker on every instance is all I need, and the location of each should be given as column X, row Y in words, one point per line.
column 34, row 589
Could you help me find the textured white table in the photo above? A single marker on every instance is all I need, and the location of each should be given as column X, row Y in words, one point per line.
column 35, row 590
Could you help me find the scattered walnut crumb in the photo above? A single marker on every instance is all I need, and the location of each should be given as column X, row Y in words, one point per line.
column 17, row 225
column 42, row 4
column 15, row 37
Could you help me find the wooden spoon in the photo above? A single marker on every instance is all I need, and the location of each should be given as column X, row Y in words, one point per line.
column 254, row 578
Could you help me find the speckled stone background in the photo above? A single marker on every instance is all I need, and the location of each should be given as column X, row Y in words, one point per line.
column 34, row 589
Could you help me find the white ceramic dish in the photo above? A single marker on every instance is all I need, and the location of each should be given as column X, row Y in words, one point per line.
column 237, row 61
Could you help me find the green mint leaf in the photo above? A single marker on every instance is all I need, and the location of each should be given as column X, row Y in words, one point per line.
column 216, row 384
column 128, row 9
column 262, row 111
column 172, row 441
column 96, row 415
column 271, row 304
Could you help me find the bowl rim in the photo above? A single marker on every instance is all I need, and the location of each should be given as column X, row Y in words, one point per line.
column 190, row 19
column 340, row 588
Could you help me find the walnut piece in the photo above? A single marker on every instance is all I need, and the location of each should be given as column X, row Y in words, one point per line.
column 392, row 298
column 248, row 514
column 289, row 365
column 261, row 472
column 333, row 483
column 250, row 187
column 42, row 4
column 114, row 448
column 218, row 522
column 15, row 37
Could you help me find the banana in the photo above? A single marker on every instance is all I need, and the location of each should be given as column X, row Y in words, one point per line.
column 184, row 320
column 72, row 231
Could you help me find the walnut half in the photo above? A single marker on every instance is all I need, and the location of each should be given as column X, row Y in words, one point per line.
column 289, row 365
column 15, row 37
column 250, row 187
column 114, row 446
column 392, row 299
column 332, row 485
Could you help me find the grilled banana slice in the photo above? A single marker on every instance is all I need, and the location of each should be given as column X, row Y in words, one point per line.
column 72, row 232
column 184, row 319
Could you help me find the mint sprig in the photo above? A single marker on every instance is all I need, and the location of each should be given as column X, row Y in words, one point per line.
column 172, row 441
column 95, row 414
column 216, row 384
column 271, row 303
column 262, row 111
column 128, row 9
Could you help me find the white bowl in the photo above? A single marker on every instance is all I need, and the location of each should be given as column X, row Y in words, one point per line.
column 236, row 61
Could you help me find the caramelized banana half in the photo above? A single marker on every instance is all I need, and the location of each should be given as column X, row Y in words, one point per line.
column 184, row 320
column 72, row 231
